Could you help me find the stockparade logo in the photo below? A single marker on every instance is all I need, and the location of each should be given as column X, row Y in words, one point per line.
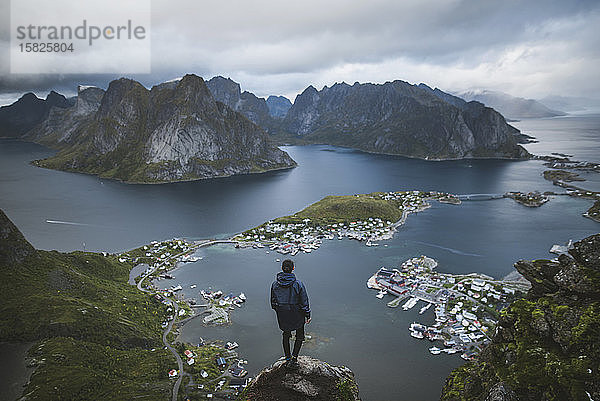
column 80, row 38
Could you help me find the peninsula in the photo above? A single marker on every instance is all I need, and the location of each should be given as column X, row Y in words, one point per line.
column 363, row 217
column 390, row 118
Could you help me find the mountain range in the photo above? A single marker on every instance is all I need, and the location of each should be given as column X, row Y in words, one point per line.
column 392, row 118
column 24, row 114
column 188, row 129
column 402, row 119
column 511, row 107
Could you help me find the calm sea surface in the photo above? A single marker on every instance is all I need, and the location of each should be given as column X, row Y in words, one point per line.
column 350, row 326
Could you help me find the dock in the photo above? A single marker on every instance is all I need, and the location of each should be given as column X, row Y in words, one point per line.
column 372, row 283
column 396, row 302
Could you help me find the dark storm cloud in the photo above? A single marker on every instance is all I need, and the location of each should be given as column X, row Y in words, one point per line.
column 525, row 47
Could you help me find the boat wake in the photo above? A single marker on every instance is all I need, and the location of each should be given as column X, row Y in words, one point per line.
column 69, row 223
column 451, row 250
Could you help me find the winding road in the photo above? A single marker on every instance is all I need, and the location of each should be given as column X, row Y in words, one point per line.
column 176, row 308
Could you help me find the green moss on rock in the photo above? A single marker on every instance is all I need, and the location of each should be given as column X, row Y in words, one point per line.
column 546, row 346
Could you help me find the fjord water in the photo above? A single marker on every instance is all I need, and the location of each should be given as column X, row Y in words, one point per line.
column 350, row 325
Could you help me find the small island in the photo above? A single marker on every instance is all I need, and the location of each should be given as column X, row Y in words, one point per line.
column 562, row 175
column 531, row 199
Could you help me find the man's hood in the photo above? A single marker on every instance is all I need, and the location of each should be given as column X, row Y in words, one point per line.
column 285, row 279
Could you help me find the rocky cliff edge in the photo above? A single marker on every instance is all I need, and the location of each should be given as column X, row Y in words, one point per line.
column 313, row 380
column 546, row 346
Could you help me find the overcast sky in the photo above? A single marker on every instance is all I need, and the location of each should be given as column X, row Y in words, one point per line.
column 525, row 48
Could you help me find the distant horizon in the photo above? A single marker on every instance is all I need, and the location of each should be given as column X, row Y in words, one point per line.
column 9, row 98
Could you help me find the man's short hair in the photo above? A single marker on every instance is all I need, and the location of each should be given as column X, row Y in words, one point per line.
column 287, row 266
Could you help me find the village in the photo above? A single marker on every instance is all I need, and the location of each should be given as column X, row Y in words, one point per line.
column 213, row 369
column 161, row 255
column 466, row 307
column 291, row 235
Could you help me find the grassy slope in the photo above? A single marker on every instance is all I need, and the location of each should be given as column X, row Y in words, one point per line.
column 81, row 370
column 346, row 208
column 94, row 329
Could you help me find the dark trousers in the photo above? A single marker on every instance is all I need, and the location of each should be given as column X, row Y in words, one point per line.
column 297, row 343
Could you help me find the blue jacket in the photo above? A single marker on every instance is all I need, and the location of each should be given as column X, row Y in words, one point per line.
column 290, row 300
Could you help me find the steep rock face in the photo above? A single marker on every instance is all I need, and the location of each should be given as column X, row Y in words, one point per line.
column 172, row 132
column 88, row 100
column 399, row 118
column 255, row 109
column 14, row 248
column 62, row 123
column 19, row 117
column 311, row 380
column 546, row 345
column 278, row 106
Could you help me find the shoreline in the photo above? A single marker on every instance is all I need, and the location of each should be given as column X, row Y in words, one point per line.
column 17, row 370
column 175, row 322
column 34, row 163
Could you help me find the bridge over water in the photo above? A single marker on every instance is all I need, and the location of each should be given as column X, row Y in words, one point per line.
column 479, row 197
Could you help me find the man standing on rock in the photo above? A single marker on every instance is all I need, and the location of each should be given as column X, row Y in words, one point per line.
column 290, row 300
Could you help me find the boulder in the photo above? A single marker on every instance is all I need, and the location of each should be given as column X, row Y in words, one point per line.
column 311, row 380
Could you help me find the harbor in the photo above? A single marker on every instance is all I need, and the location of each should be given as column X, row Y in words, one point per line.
column 466, row 307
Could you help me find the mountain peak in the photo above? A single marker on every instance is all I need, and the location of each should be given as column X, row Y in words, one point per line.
column 278, row 105
column 56, row 99
column 28, row 97
column 191, row 78
column 14, row 248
